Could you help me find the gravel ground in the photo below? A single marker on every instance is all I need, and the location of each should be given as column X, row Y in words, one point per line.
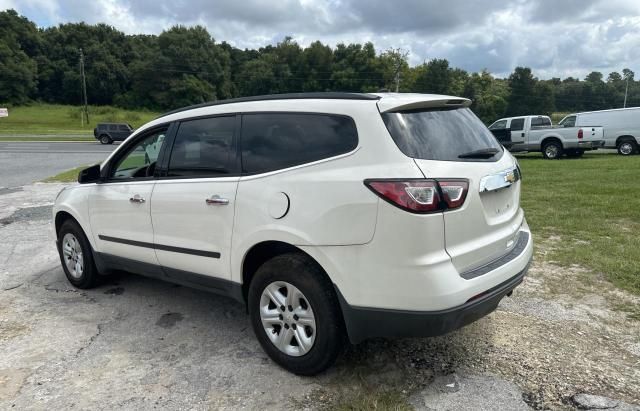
column 137, row 343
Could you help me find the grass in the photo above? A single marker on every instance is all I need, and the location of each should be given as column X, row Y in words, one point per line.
column 68, row 176
column 65, row 120
column 592, row 205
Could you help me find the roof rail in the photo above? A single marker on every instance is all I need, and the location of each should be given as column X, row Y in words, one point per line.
column 288, row 96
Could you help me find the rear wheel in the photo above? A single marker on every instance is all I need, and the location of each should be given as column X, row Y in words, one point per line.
column 105, row 139
column 627, row 147
column 552, row 150
column 295, row 314
column 76, row 256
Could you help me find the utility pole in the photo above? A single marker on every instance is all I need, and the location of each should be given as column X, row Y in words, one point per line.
column 626, row 90
column 85, row 110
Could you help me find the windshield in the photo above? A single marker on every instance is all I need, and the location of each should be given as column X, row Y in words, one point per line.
column 442, row 134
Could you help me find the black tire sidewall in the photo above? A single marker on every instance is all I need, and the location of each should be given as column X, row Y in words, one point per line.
column 300, row 271
column 552, row 143
column 634, row 147
column 90, row 276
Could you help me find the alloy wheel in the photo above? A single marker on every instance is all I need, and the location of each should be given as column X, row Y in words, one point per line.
column 287, row 318
column 73, row 258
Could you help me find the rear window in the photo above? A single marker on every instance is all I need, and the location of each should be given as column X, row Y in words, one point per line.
column 440, row 134
column 273, row 141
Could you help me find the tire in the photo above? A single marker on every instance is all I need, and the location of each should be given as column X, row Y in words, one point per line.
column 627, row 147
column 105, row 139
column 575, row 153
column 82, row 274
column 552, row 150
column 280, row 279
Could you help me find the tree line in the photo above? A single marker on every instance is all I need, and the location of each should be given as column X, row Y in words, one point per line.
column 185, row 65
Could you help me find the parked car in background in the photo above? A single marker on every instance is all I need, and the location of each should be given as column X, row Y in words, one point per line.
column 621, row 127
column 107, row 133
column 325, row 214
column 536, row 133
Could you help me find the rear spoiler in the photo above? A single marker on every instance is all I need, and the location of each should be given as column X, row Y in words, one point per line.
column 406, row 102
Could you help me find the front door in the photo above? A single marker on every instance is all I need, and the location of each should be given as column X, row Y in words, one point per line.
column 120, row 208
column 193, row 203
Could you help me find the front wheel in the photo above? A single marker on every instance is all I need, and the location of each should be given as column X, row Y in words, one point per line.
column 627, row 147
column 295, row 314
column 552, row 150
column 76, row 256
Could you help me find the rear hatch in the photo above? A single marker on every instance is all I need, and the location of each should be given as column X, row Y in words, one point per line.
column 452, row 143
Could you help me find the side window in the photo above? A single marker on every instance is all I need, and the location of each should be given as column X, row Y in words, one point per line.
column 140, row 159
column 122, row 127
column 113, row 127
column 204, row 148
column 569, row 122
column 279, row 140
column 517, row 124
column 540, row 122
column 499, row 125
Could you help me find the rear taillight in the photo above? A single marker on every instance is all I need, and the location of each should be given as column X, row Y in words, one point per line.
column 421, row 196
column 580, row 134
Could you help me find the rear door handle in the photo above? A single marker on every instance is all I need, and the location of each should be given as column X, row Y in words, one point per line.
column 216, row 200
column 137, row 199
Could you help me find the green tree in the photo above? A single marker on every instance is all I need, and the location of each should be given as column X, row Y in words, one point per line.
column 19, row 43
column 522, row 85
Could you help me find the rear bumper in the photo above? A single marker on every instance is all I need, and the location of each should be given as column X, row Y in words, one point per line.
column 363, row 323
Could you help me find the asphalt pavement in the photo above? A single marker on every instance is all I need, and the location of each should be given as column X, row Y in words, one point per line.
column 25, row 162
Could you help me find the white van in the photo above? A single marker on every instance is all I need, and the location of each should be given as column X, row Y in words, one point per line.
column 621, row 127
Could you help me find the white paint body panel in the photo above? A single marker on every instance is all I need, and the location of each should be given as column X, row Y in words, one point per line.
column 112, row 214
column 182, row 218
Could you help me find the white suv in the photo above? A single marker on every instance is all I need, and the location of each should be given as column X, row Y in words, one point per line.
column 326, row 214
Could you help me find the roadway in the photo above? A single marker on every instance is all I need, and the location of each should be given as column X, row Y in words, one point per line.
column 25, row 162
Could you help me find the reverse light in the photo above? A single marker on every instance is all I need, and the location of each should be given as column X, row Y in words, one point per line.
column 421, row 195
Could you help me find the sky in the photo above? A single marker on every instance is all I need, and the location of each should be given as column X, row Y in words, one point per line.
column 556, row 38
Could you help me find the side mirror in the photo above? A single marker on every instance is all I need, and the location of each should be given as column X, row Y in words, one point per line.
column 90, row 175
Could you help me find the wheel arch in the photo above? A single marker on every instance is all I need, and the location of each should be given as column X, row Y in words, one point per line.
column 63, row 214
column 262, row 252
column 624, row 138
column 549, row 139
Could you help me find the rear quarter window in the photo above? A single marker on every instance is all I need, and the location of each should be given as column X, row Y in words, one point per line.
column 440, row 134
column 273, row 141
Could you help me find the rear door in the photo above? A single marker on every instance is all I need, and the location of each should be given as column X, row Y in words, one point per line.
column 517, row 127
column 193, row 202
column 455, row 144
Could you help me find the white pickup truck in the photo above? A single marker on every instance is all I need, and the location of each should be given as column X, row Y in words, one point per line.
column 536, row 133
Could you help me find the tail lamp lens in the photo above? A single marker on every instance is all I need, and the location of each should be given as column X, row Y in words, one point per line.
column 421, row 196
column 416, row 196
column 580, row 133
column 454, row 192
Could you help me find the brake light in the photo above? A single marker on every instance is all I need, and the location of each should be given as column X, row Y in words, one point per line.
column 421, row 196
column 580, row 134
column 454, row 192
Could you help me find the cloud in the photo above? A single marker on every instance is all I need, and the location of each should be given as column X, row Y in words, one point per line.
column 554, row 38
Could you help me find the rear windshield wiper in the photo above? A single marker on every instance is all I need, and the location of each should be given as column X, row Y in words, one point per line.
column 484, row 153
